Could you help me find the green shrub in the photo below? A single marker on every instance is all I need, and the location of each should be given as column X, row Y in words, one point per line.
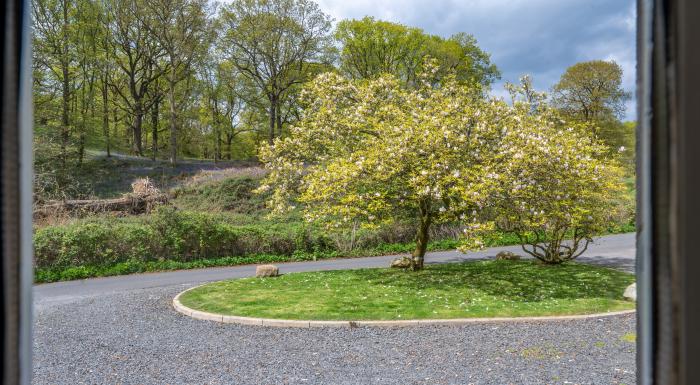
column 172, row 239
column 168, row 234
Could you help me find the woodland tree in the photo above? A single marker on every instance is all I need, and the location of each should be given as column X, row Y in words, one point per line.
column 591, row 90
column 137, row 54
column 370, row 48
column 182, row 30
column 54, row 51
column 273, row 43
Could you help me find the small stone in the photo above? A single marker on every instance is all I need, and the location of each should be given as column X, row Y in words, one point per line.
column 401, row 263
column 267, row 271
column 631, row 292
column 507, row 256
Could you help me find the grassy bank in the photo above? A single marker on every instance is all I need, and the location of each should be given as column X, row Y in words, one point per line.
column 460, row 290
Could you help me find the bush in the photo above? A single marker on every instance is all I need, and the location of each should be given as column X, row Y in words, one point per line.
column 171, row 239
column 553, row 186
column 90, row 243
column 170, row 234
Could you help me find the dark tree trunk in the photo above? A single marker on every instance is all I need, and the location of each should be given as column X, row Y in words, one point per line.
column 115, row 114
column 65, row 128
column 279, row 120
column 105, row 117
column 217, row 131
column 65, row 124
column 81, row 144
column 273, row 120
column 145, row 134
column 137, row 130
column 81, row 125
column 422, row 236
column 217, row 147
column 154, row 129
column 229, row 140
column 173, row 122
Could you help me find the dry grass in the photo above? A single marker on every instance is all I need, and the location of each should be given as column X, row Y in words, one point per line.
column 206, row 176
column 144, row 187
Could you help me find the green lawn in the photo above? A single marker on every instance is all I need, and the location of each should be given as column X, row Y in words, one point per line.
column 460, row 290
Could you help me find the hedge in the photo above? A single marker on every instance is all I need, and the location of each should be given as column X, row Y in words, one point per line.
column 174, row 239
column 168, row 234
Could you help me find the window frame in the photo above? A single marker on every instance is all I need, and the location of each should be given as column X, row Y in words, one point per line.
column 667, row 178
column 668, row 175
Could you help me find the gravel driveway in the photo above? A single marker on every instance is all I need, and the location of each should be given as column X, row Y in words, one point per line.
column 135, row 337
column 110, row 343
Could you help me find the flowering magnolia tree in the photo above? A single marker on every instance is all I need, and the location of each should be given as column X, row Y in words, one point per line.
column 552, row 185
column 371, row 152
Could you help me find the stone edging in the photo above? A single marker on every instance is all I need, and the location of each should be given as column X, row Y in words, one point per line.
column 230, row 319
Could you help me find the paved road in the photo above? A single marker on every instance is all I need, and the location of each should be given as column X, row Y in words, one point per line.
column 123, row 330
column 615, row 250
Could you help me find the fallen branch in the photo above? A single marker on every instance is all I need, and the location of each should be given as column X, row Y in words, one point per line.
column 144, row 198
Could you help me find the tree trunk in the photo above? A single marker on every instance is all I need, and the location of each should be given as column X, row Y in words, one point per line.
column 145, row 136
column 81, row 144
column 105, row 117
column 279, row 120
column 154, row 129
column 65, row 129
column 173, row 123
column 129, row 130
column 137, row 129
column 273, row 120
column 65, row 124
column 422, row 236
column 217, row 147
column 131, row 204
column 84, row 124
column 217, row 132
column 229, row 140
column 115, row 114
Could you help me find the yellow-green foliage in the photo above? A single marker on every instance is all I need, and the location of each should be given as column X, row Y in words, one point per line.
column 367, row 152
column 553, row 180
column 370, row 151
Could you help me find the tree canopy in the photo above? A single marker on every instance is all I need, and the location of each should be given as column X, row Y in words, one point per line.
column 591, row 91
column 553, row 185
column 274, row 44
column 134, row 76
column 374, row 151
column 370, row 48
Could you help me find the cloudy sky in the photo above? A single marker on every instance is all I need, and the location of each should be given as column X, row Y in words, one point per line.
column 536, row 37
